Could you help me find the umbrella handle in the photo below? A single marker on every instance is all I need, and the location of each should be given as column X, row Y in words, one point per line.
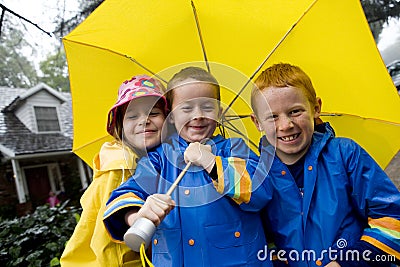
column 139, row 235
column 180, row 176
column 178, row 179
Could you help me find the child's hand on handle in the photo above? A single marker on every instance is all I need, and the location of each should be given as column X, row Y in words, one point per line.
column 155, row 209
column 200, row 155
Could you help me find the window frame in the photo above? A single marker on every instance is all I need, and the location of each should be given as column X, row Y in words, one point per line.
column 56, row 119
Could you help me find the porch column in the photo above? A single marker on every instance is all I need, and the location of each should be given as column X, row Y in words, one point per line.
column 19, row 184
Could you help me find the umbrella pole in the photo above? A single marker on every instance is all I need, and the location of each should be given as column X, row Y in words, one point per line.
column 139, row 235
column 178, row 179
column 142, row 231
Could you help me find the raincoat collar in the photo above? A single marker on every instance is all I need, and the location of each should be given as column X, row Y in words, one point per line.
column 178, row 141
column 114, row 156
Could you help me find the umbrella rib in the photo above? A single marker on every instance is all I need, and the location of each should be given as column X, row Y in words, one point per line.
column 91, row 142
column 234, row 129
column 325, row 114
column 203, row 48
column 118, row 53
column 145, row 68
column 235, row 117
column 269, row 55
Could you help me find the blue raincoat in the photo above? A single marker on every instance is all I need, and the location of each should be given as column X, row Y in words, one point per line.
column 206, row 228
column 347, row 197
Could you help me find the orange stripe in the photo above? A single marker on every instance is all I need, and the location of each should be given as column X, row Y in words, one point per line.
column 220, row 183
column 381, row 246
column 386, row 222
column 245, row 181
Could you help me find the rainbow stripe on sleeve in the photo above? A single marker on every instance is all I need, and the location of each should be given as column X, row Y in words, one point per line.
column 123, row 201
column 233, row 179
column 384, row 234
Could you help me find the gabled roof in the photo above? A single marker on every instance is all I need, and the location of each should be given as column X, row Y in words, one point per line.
column 16, row 139
column 29, row 92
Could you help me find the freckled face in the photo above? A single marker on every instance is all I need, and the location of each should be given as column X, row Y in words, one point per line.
column 195, row 111
column 290, row 122
column 143, row 122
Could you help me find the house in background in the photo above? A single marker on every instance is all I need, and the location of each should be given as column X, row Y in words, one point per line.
column 35, row 148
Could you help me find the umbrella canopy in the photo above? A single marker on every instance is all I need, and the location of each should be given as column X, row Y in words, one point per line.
column 330, row 40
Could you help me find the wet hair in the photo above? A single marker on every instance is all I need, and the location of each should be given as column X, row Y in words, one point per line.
column 188, row 75
column 283, row 75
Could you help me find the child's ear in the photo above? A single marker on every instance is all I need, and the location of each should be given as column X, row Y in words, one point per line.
column 317, row 108
column 256, row 123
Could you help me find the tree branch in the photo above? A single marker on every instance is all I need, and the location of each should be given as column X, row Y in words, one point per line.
column 21, row 17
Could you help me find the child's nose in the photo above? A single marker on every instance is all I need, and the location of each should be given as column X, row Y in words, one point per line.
column 144, row 119
column 285, row 123
column 198, row 113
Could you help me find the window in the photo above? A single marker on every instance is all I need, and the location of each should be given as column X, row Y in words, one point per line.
column 47, row 119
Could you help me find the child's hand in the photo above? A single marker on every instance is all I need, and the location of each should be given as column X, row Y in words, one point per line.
column 155, row 209
column 200, row 155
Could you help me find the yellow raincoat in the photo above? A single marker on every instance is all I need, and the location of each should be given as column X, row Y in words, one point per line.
column 90, row 244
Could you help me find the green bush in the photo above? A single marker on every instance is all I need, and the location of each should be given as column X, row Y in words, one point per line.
column 37, row 239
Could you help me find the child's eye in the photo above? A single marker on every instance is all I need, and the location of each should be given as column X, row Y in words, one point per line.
column 132, row 117
column 186, row 108
column 208, row 108
column 295, row 112
column 154, row 114
column 271, row 117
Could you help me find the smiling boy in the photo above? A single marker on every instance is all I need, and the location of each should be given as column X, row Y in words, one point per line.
column 325, row 190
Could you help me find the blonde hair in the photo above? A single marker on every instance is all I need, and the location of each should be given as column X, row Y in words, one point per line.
column 284, row 75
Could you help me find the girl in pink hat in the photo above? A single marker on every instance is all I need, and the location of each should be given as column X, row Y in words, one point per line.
column 135, row 121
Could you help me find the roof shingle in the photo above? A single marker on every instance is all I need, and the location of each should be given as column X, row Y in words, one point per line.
column 16, row 137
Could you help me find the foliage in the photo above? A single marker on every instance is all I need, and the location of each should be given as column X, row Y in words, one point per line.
column 381, row 10
column 15, row 69
column 378, row 12
column 37, row 239
column 55, row 71
column 7, row 211
column 86, row 8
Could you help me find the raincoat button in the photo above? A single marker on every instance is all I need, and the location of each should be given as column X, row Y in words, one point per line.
column 318, row 262
column 187, row 192
column 310, row 168
column 155, row 242
column 191, row 242
column 283, row 172
column 237, row 234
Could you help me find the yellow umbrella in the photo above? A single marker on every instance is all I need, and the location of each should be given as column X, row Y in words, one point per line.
column 236, row 39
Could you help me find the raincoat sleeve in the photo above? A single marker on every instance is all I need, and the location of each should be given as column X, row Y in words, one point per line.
column 130, row 194
column 235, row 173
column 376, row 198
